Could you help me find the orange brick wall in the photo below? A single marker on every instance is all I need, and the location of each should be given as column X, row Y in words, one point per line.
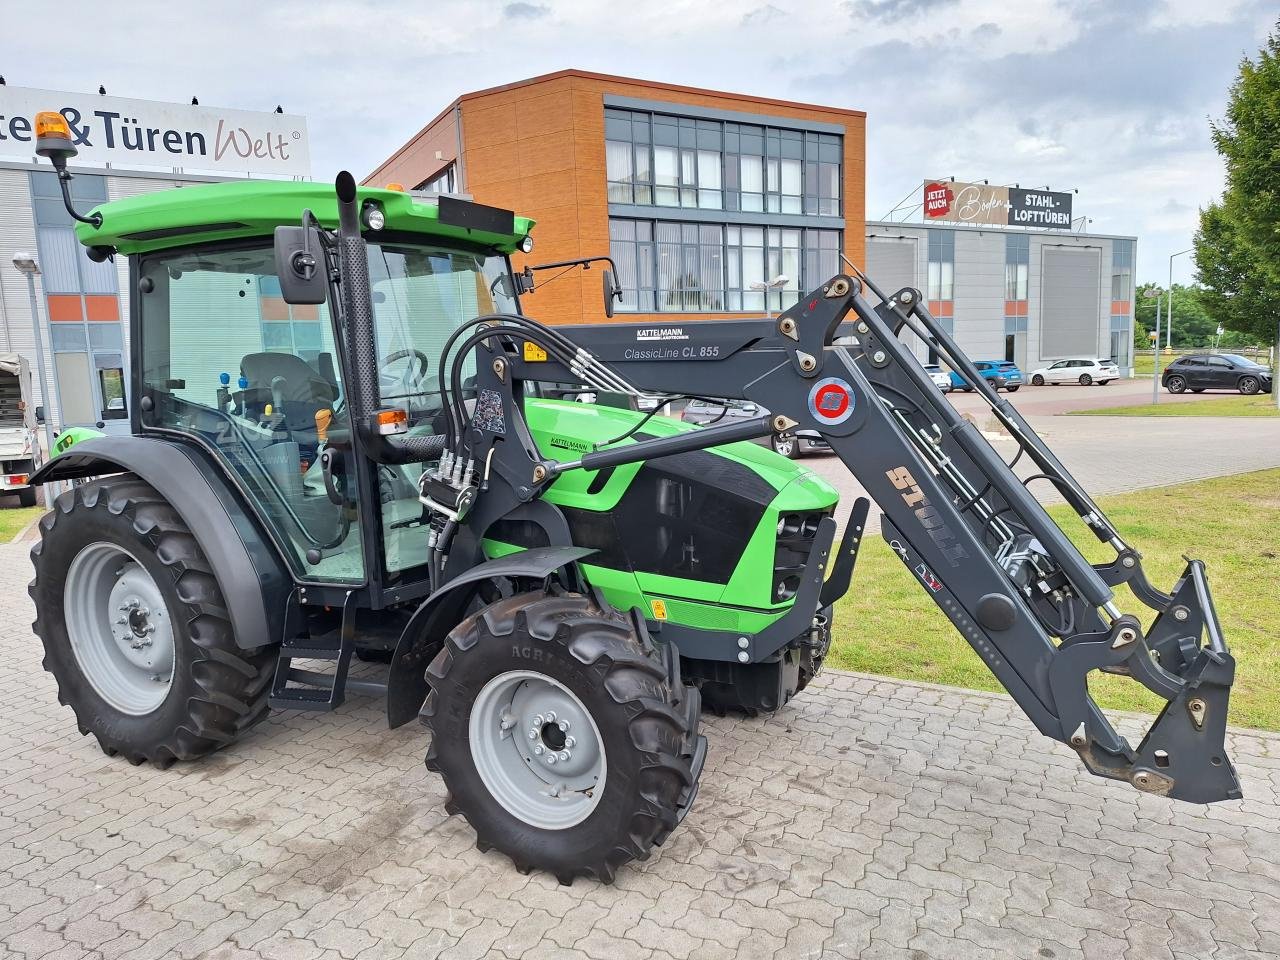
column 538, row 148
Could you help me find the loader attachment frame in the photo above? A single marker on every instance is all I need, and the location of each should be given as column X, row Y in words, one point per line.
column 965, row 524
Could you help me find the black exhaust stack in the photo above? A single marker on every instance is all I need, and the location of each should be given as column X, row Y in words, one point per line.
column 362, row 347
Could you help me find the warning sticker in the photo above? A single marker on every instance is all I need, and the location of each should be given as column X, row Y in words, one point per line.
column 831, row 401
column 534, row 353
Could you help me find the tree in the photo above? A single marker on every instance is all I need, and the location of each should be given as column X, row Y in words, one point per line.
column 1193, row 325
column 1238, row 244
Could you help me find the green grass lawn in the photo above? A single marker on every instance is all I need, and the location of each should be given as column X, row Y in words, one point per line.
column 887, row 625
column 1260, row 405
column 14, row 519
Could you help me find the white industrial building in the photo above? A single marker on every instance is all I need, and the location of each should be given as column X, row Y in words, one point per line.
column 127, row 148
column 1015, row 294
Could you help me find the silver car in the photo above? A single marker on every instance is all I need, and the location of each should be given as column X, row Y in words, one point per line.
column 790, row 445
column 1081, row 370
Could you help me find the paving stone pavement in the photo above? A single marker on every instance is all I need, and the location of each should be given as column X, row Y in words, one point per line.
column 871, row 819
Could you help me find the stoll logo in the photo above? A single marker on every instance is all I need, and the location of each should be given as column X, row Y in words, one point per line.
column 144, row 133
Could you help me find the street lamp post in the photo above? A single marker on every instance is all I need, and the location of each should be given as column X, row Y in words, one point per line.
column 764, row 286
column 1155, row 293
column 1168, row 315
column 28, row 265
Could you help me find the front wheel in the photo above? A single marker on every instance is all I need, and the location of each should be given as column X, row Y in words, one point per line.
column 1175, row 384
column 1037, row 381
column 1249, row 385
column 565, row 737
column 135, row 627
column 1011, row 389
column 1085, row 380
column 785, row 444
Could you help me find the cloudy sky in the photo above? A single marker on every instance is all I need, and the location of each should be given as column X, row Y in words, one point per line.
column 1109, row 97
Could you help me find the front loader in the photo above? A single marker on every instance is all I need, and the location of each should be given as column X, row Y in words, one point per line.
column 343, row 448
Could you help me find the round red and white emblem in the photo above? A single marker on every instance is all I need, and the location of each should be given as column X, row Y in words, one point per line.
column 831, row 401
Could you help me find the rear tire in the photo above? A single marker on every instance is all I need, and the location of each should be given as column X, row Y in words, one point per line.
column 118, row 539
column 1011, row 389
column 1037, row 381
column 1175, row 384
column 1086, row 380
column 27, row 496
column 1249, row 385
column 632, row 769
column 1197, row 389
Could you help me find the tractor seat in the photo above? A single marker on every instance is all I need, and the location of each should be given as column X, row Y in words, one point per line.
column 293, row 388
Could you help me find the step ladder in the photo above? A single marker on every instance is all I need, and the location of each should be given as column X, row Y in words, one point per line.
column 295, row 689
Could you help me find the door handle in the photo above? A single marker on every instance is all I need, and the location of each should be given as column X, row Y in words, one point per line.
column 330, row 463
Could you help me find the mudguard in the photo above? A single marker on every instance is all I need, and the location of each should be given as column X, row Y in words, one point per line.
column 444, row 609
column 249, row 571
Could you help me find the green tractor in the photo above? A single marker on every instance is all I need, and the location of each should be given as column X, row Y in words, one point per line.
column 346, row 443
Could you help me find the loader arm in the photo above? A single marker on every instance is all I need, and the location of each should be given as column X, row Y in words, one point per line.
column 1041, row 617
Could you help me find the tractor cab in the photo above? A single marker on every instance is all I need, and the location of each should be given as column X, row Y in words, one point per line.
column 223, row 361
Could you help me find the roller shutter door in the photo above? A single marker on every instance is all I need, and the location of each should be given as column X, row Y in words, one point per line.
column 1069, row 302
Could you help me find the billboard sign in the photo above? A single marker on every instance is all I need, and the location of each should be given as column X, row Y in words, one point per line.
column 953, row 201
column 145, row 133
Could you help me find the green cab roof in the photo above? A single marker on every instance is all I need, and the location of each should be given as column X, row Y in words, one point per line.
column 254, row 208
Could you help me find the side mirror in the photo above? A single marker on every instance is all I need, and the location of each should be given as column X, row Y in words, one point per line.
column 300, row 265
column 40, row 413
column 611, row 291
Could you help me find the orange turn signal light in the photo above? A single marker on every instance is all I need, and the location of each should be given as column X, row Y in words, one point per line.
column 393, row 420
column 395, row 185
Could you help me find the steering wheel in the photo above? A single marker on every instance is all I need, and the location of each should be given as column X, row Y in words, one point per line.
column 411, row 375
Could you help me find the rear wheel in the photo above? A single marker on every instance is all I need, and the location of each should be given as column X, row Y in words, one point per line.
column 1011, row 389
column 565, row 737
column 135, row 628
column 1197, row 389
column 1085, row 380
column 1103, row 383
column 1037, row 381
column 1175, row 384
column 1249, row 385
column 785, row 444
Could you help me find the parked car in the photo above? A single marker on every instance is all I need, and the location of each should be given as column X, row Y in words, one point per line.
column 1198, row 372
column 1000, row 373
column 940, row 378
column 789, row 445
column 1081, row 370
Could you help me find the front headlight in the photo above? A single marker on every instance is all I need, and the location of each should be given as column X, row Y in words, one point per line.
column 526, row 245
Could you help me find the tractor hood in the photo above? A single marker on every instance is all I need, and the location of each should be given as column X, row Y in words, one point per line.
column 564, row 430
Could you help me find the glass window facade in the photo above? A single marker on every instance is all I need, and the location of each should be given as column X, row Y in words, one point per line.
column 942, row 265
column 672, row 267
column 1017, row 258
column 82, row 304
column 657, row 159
column 1122, row 259
column 446, row 181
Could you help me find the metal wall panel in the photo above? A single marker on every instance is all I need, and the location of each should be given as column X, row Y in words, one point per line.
column 1070, row 301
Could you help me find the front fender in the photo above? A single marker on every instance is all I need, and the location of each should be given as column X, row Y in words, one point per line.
column 251, row 575
column 424, row 634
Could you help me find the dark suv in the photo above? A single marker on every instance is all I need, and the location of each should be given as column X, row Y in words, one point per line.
column 1218, row 371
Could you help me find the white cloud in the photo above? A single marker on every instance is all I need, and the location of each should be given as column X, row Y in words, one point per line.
column 1112, row 99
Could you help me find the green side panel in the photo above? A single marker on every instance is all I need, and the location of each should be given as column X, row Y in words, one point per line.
column 70, row 436
column 254, row 208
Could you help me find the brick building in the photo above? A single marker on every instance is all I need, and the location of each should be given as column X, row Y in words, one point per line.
column 697, row 194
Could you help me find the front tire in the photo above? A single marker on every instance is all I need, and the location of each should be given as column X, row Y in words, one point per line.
column 574, row 809
column 135, row 627
column 786, row 445
column 1011, row 389
column 1037, row 381
column 1249, row 385
column 1175, row 384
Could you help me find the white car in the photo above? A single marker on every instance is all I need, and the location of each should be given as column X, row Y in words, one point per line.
column 1084, row 371
column 940, row 379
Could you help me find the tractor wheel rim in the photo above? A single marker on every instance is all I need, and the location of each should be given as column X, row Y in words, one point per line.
column 120, row 628
column 538, row 750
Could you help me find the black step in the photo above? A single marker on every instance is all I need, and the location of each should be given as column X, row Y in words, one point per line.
column 311, row 690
